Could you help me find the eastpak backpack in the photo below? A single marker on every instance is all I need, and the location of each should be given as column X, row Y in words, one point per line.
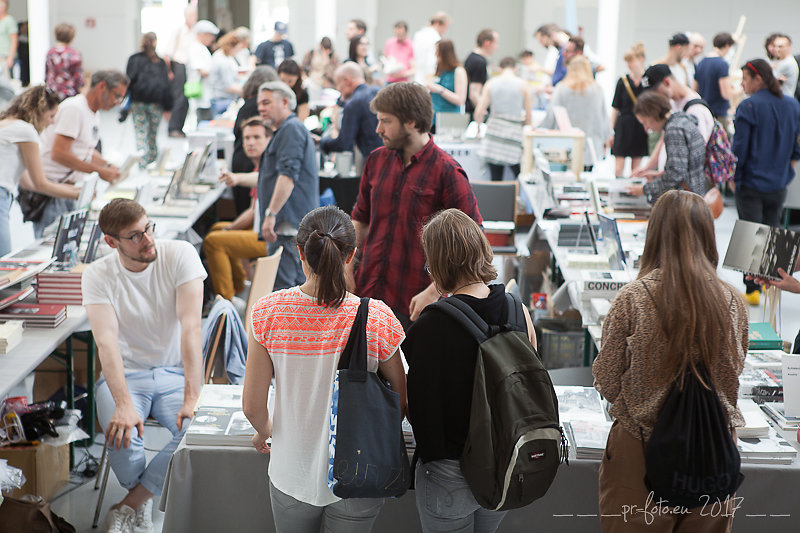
column 514, row 443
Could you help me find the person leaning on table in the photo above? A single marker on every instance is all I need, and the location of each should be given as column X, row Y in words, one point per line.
column 675, row 315
column 299, row 334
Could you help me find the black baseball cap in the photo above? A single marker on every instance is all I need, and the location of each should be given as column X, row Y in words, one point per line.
column 679, row 38
column 654, row 75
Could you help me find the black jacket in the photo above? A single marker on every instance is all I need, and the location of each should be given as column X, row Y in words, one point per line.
column 149, row 81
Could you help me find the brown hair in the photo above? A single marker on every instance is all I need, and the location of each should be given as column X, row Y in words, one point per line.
column 440, row 17
column 118, row 214
column 327, row 237
column 256, row 121
column 579, row 74
column 65, row 33
column 261, row 75
column 634, row 52
column 148, row 46
column 652, row 104
column 691, row 301
column 485, row 35
column 408, row 101
column 32, row 105
column 290, row 67
column 759, row 67
column 447, row 57
column 508, row 62
column 457, row 250
column 227, row 42
column 723, row 39
column 578, row 42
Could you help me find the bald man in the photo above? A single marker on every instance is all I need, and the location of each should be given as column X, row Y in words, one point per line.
column 358, row 122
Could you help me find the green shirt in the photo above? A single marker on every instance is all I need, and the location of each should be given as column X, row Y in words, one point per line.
column 8, row 27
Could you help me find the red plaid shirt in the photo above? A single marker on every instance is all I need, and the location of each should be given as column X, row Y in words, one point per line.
column 395, row 201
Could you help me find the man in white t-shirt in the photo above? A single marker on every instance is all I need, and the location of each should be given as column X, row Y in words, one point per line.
column 425, row 46
column 660, row 78
column 144, row 304
column 69, row 145
column 785, row 65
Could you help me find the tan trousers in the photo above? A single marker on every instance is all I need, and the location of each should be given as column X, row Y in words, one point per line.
column 626, row 504
column 224, row 251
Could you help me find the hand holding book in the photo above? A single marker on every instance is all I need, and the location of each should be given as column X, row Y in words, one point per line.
column 787, row 282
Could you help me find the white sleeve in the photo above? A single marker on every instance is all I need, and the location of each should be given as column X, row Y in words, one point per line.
column 68, row 121
column 187, row 264
column 93, row 286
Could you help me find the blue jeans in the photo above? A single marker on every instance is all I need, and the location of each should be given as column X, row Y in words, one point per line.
column 158, row 393
column 290, row 270
column 445, row 502
column 6, row 199
column 356, row 515
column 53, row 210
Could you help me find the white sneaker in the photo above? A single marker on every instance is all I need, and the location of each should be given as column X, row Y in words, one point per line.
column 143, row 521
column 120, row 520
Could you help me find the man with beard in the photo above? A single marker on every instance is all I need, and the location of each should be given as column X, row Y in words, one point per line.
column 144, row 305
column 403, row 184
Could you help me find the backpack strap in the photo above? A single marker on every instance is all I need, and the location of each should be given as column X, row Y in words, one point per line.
column 627, row 85
column 465, row 316
column 355, row 351
column 516, row 318
column 696, row 101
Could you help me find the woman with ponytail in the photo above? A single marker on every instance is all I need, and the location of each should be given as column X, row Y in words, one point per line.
column 677, row 316
column 298, row 334
column 767, row 126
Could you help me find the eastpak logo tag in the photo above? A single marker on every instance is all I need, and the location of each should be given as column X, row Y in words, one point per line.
column 535, row 456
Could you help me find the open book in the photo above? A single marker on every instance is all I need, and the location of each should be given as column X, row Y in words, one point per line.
column 760, row 250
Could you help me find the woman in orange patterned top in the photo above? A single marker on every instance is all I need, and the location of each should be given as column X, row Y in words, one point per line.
column 299, row 334
column 675, row 316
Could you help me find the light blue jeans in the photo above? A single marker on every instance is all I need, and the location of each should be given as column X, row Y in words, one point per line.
column 53, row 210
column 445, row 502
column 355, row 515
column 6, row 199
column 158, row 393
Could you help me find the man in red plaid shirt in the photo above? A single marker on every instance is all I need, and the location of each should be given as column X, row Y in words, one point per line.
column 403, row 184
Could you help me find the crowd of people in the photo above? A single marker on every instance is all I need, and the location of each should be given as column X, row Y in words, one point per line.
column 413, row 236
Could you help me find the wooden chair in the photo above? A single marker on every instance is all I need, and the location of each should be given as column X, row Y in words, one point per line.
column 263, row 281
column 214, row 355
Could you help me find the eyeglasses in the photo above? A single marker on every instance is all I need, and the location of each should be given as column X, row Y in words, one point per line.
column 137, row 237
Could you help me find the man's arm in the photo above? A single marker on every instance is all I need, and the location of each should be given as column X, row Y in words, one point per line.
column 245, row 179
column 62, row 154
column 12, row 49
column 347, row 134
column 245, row 220
column 283, row 189
column 189, row 306
column 475, row 92
column 105, row 329
column 361, row 232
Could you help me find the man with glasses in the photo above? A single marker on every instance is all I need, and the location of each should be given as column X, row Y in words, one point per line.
column 70, row 143
column 144, row 305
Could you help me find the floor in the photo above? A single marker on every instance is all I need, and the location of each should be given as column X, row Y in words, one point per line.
column 77, row 502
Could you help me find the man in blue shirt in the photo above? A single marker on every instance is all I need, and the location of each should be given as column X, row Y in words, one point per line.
column 274, row 51
column 288, row 179
column 358, row 122
column 712, row 80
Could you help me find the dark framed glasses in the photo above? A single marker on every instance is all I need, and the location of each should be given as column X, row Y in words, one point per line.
column 137, row 237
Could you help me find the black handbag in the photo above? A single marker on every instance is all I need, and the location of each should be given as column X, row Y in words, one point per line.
column 370, row 459
column 32, row 205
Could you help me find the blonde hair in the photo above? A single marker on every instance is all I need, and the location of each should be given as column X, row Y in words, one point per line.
column 228, row 42
column 457, row 250
column 579, row 74
column 634, row 52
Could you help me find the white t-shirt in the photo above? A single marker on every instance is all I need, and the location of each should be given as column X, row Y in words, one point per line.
column 149, row 331
column 13, row 132
column 425, row 53
column 787, row 68
column 75, row 120
column 199, row 59
column 224, row 71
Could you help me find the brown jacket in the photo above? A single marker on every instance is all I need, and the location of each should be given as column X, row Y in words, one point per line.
column 633, row 344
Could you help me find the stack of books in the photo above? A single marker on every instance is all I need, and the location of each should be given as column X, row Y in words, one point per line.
column 60, row 287
column 10, row 335
column 588, row 437
column 219, row 419
column 771, row 449
column 19, row 271
column 761, row 336
column 760, row 384
column 778, row 415
column 36, row 315
column 755, row 421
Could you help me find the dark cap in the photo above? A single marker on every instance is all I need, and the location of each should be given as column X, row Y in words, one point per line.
column 281, row 27
column 679, row 38
column 654, row 75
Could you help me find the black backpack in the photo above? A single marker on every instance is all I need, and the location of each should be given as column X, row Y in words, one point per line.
column 691, row 458
column 515, row 444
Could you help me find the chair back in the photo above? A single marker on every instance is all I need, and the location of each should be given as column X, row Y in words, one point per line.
column 263, row 281
column 214, row 353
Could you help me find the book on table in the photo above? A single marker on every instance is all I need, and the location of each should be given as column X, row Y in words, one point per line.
column 9, row 297
column 761, row 336
column 759, row 250
column 765, row 359
column 588, row 437
column 761, row 384
column 219, row 419
column 18, row 271
column 35, row 315
column 769, row 449
column 10, row 335
column 776, row 412
column 68, row 237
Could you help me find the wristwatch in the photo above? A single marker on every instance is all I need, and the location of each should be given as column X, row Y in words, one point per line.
column 269, row 213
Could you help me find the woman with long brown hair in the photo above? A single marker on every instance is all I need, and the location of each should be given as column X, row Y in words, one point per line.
column 677, row 316
column 449, row 87
column 150, row 96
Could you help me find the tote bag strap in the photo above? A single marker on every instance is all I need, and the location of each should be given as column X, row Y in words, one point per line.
column 354, row 356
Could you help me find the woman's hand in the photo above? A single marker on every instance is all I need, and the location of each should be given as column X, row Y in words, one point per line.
column 260, row 440
column 435, row 88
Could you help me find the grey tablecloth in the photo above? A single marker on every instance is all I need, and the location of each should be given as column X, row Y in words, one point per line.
column 226, row 489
